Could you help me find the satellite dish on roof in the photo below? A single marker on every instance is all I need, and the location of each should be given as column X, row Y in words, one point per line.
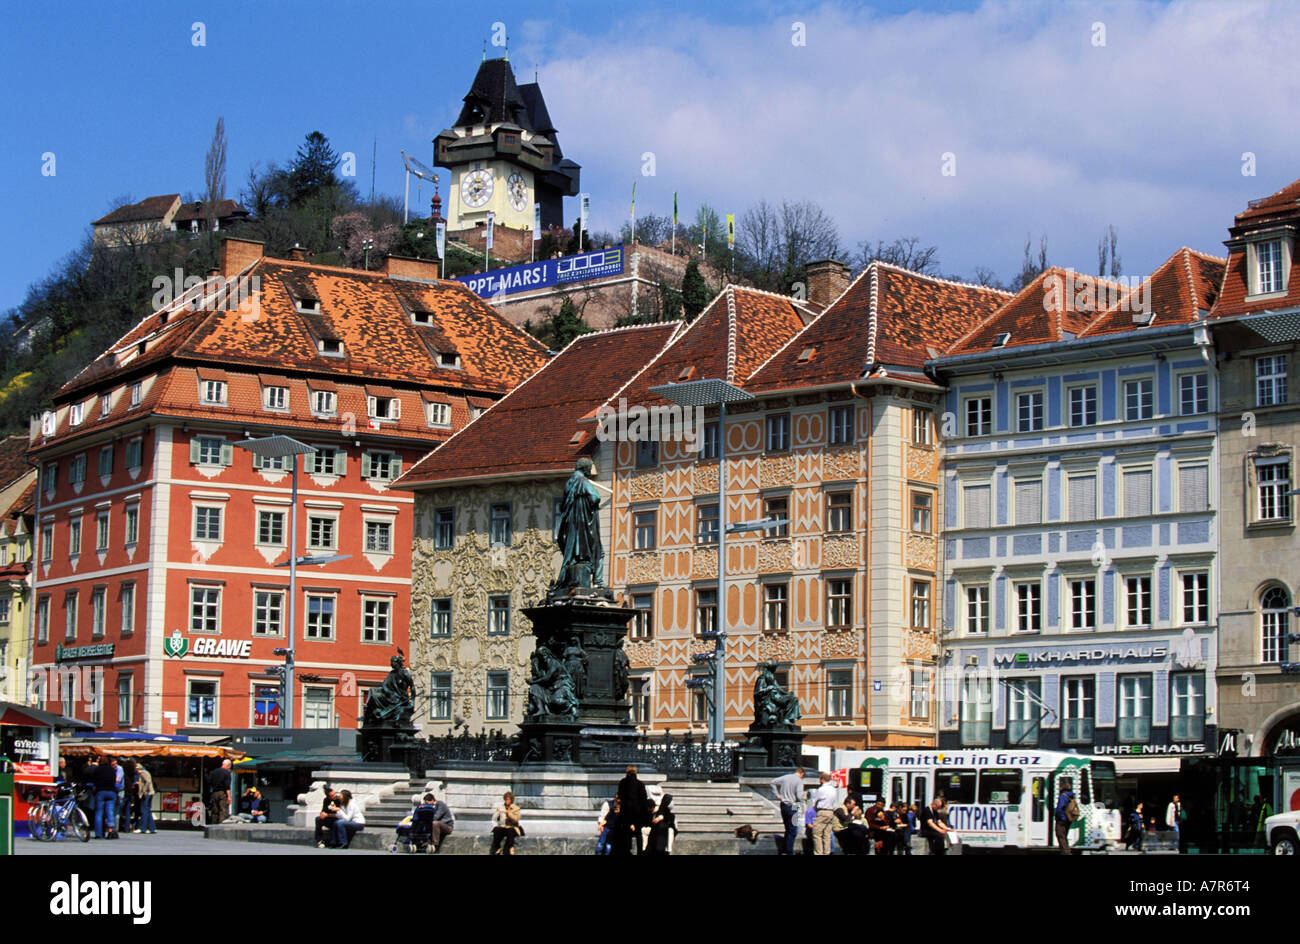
column 420, row 170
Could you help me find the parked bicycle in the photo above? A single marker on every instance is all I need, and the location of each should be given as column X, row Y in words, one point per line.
column 56, row 818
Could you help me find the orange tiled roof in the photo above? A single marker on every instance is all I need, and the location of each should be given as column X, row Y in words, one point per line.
column 150, row 208
column 462, row 348
column 1280, row 207
column 1057, row 305
column 889, row 318
column 738, row 331
column 24, row 504
column 536, row 427
column 1180, row 291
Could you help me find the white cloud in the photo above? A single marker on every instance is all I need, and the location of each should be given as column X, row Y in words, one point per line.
column 1051, row 134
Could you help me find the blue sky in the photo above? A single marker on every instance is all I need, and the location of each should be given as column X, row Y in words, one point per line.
column 1051, row 132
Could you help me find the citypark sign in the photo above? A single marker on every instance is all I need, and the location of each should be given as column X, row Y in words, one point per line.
column 177, row 646
column 546, row 272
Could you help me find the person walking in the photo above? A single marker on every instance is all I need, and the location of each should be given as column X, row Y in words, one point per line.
column 219, row 792
column 1174, row 816
column 788, row 791
column 824, row 804
column 635, row 805
column 933, row 829
column 144, row 792
column 1135, row 827
column 103, row 777
column 1067, row 812
column 506, row 827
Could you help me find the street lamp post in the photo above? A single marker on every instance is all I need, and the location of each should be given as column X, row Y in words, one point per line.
column 702, row 393
column 279, row 447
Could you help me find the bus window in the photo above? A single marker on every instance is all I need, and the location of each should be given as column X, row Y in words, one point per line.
column 866, row 782
column 918, row 791
column 1085, row 788
column 957, row 786
column 1103, row 777
column 1038, row 807
column 1000, row 787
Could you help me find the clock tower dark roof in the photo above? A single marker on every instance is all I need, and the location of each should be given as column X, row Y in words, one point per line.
column 493, row 97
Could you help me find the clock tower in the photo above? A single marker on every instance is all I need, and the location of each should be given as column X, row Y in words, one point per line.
column 504, row 156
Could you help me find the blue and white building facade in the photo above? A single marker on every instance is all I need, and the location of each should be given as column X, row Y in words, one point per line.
column 1079, row 490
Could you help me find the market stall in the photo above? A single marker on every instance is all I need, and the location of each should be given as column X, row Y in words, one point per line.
column 179, row 769
column 29, row 740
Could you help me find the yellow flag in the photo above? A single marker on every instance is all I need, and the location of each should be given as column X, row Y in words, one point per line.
column 731, row 231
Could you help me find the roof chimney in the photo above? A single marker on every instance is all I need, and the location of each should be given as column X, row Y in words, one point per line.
column 827, row 280
column 404, row 267
column 298, row 254
column 238, row 254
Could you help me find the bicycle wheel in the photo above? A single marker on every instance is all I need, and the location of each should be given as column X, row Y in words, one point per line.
column 36, row 814
column 48, row 826
column 78, row 824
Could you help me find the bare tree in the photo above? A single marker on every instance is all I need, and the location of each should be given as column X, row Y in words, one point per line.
column 214, row 171
column 905, row 252
column 1031, row 268
column 1108, row 252
column 987, row 277
column 760, row 242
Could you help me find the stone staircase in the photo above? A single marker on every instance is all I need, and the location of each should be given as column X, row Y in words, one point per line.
column 388, row 811
column 717, row 809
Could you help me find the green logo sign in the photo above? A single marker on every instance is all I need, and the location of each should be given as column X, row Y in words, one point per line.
column 175, row 645
column 1022, row 658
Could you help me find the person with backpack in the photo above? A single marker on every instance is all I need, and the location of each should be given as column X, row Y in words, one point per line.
column 1067, row 813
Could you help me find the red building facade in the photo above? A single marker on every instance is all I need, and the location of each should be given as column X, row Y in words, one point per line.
column 158, row 600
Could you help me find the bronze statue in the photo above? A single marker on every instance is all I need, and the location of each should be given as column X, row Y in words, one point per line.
column 550, row 689
column 393, row 702
column 773, row 704
column 620, row 673
column 578, row 534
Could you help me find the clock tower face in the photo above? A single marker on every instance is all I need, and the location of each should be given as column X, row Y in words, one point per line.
column 517, row 189
column 476, row 189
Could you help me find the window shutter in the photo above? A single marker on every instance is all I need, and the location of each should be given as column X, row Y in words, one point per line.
column 194, row 450
column 1194, row 488
column 395, row 467
column 1137, row 494
column 396, row 408
column 370, row 406
column 1029, row 502
column 258, row 462
column 977, row 506
column 340, row 462
column 227, row 453
column 1083, row 497
column 365, row 465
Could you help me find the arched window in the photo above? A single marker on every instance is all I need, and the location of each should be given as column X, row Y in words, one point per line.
column 1274, row 605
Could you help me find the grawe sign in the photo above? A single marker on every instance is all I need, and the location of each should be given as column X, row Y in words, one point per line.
column 177, row 646
column 546, row 272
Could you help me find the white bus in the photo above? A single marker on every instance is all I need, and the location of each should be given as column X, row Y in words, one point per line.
column 996, row 799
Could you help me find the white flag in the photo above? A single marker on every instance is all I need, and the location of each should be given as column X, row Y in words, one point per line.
column 442, row 239
column 491, row 221
column 537, row 221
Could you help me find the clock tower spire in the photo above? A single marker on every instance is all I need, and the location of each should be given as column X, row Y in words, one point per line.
column 504, row 155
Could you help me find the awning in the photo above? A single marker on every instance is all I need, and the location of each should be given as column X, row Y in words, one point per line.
column 12, row 713
column 1163, row 764
column 147, row 749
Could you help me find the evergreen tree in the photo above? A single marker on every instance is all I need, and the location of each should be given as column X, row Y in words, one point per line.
column 313, row 168
column 695, row 294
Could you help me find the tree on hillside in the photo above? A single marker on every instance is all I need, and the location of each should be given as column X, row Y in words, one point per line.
column 214, row 170
column 313, row 168
column 775, row 243
column 558, row 326
column 695, row 294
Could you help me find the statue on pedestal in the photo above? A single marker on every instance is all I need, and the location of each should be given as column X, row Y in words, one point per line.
column 550, row 688
column 578, row 535
column 773, row 704
column 393, row 703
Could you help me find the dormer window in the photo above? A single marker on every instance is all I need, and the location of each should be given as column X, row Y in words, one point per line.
column 384, row 408
column 48, row 423
column 323, row 402
column 162, row 317
column 439, row 414
column 331, row 347
column 275, row 398
column 1269, row 273
column 212, row 392
column 309, row 305
column 1002, row 339
column 75, row 415
column 448, row 359
column 105, row 404
column 422, row 317
column 137, row 392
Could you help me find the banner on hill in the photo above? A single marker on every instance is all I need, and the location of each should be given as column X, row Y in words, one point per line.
column 546, row 272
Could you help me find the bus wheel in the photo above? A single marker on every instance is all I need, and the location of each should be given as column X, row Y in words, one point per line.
column 1285, row 844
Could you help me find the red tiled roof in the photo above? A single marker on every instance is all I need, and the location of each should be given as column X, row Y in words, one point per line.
column 738, row 331
column 150, row 208
column 24, row 504
column 1280, row 207
column 201, row 210
column 532, row 429
column 1178, row 292
column 888, row 316
column 13, row 459
column 1057, row 305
